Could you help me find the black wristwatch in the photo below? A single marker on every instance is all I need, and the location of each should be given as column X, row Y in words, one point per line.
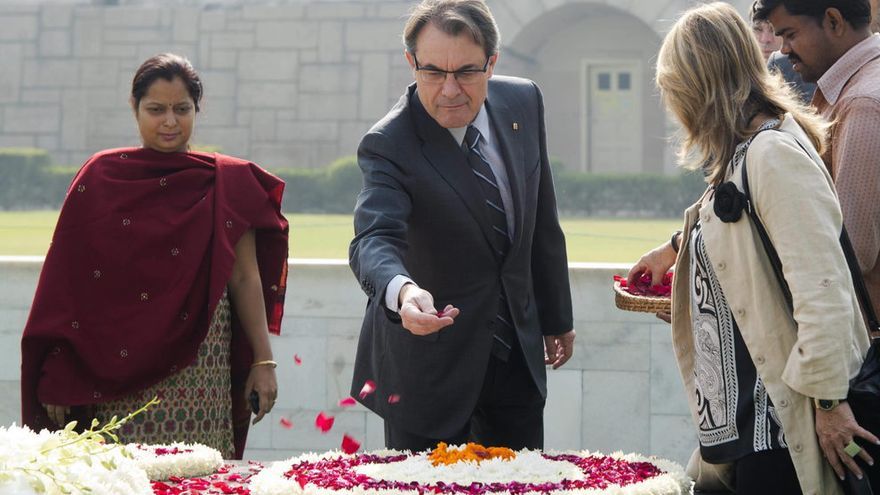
column 827, row 404
column 674, row 240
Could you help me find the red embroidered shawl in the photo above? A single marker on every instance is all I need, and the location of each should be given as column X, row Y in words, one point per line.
column 142, row 252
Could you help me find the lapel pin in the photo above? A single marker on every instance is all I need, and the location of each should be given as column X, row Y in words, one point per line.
column 516, row 126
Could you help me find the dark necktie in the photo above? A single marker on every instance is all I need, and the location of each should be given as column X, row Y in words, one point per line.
column 505, row 335
column 491, row 193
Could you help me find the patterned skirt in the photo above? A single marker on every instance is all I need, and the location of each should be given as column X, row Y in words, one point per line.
column 196, row 403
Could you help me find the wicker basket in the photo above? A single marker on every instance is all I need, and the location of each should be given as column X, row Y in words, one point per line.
column 646, row 304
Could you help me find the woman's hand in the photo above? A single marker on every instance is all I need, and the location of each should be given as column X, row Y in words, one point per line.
column 836, row 429
column 57, row 414
column 655, row 263
column 262, row 380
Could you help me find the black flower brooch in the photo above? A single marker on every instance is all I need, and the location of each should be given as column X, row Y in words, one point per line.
column 729, row 202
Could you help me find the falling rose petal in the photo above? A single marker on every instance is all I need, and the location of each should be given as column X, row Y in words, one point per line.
column 324, row 422
column 350, row 445
column 393, row 399
column 298, row 360
column 368, row 388
column 347, row 402
column 286, row 423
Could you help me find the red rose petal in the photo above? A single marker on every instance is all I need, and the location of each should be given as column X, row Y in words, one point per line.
column 324, row 422
column 642, row 286
column 286, row 423
column 298, row 360
column 441, row 314
column 347, row 402
column 368, row 388
column 393, row 399
column 350, row 445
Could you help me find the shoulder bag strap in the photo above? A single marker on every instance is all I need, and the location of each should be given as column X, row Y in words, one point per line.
column 849, row 253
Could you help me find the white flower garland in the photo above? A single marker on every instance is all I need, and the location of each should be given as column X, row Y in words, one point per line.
column 184, row 460
column 40, row 463
column 271, row 480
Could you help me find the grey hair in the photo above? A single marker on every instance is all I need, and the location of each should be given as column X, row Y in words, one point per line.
column 454, row 17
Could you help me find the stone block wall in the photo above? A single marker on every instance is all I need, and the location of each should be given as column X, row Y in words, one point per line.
column 285, row 85
column 288, row 83
column 620, row 391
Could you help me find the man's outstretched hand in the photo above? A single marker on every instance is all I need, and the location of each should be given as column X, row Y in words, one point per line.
column 418, row 314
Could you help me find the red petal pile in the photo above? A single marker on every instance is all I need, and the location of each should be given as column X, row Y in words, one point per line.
column 600, row 473
column 220, row 483
column 643, row 287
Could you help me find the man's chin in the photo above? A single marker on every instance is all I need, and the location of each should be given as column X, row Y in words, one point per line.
column 806, row 74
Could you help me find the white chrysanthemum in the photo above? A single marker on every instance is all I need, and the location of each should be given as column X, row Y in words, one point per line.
column 189, row 461
column 528, row 467
column 41, row 463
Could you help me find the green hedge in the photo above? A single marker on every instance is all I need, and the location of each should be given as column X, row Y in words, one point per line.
column 322, row 190
column 24, row 179
column 626, row 195
column 27, row 181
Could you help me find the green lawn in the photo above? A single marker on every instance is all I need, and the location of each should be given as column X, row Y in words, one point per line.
column 327, row 236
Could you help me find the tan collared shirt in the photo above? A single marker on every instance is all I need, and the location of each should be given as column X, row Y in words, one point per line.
column 849, row 96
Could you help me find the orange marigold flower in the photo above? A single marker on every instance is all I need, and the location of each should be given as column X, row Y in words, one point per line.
column 471, row 452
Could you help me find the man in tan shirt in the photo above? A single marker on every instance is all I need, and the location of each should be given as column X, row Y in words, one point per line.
column 830, row 42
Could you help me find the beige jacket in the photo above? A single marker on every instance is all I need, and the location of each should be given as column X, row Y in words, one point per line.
column 813, row 354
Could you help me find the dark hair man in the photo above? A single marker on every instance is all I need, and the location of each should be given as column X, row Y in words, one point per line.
column 830, row 43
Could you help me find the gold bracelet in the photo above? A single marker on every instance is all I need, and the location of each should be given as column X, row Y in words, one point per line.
column 267, row 362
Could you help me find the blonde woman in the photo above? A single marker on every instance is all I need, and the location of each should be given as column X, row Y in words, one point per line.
column 752, row 368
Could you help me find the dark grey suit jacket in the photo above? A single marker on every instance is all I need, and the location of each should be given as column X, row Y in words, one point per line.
column 421, row 214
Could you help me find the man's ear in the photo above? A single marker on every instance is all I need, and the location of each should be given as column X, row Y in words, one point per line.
column 492, row 63
column 410, row 59
column 834, row 22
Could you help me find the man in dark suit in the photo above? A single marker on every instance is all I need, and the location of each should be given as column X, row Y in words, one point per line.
column 458, row 212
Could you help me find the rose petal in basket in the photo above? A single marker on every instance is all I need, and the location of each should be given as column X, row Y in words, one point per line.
column 646, row 304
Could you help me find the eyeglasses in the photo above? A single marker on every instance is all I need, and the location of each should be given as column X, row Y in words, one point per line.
column 433, row 75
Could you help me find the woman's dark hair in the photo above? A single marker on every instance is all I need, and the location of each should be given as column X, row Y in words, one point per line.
column 167, row 66
column 856, row 12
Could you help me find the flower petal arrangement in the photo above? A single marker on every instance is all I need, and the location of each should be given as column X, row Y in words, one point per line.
column 387, row 472
column 62, row 462
column 162, row 462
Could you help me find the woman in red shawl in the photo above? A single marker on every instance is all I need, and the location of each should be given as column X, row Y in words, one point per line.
column 165, row 276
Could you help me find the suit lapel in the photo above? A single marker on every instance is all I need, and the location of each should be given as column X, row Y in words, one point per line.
column 510, row 143
column 447, row 158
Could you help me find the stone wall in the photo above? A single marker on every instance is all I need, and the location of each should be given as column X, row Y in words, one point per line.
column 620, row 391
column 287, row 83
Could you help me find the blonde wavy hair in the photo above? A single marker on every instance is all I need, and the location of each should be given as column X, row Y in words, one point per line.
column 712, row 76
